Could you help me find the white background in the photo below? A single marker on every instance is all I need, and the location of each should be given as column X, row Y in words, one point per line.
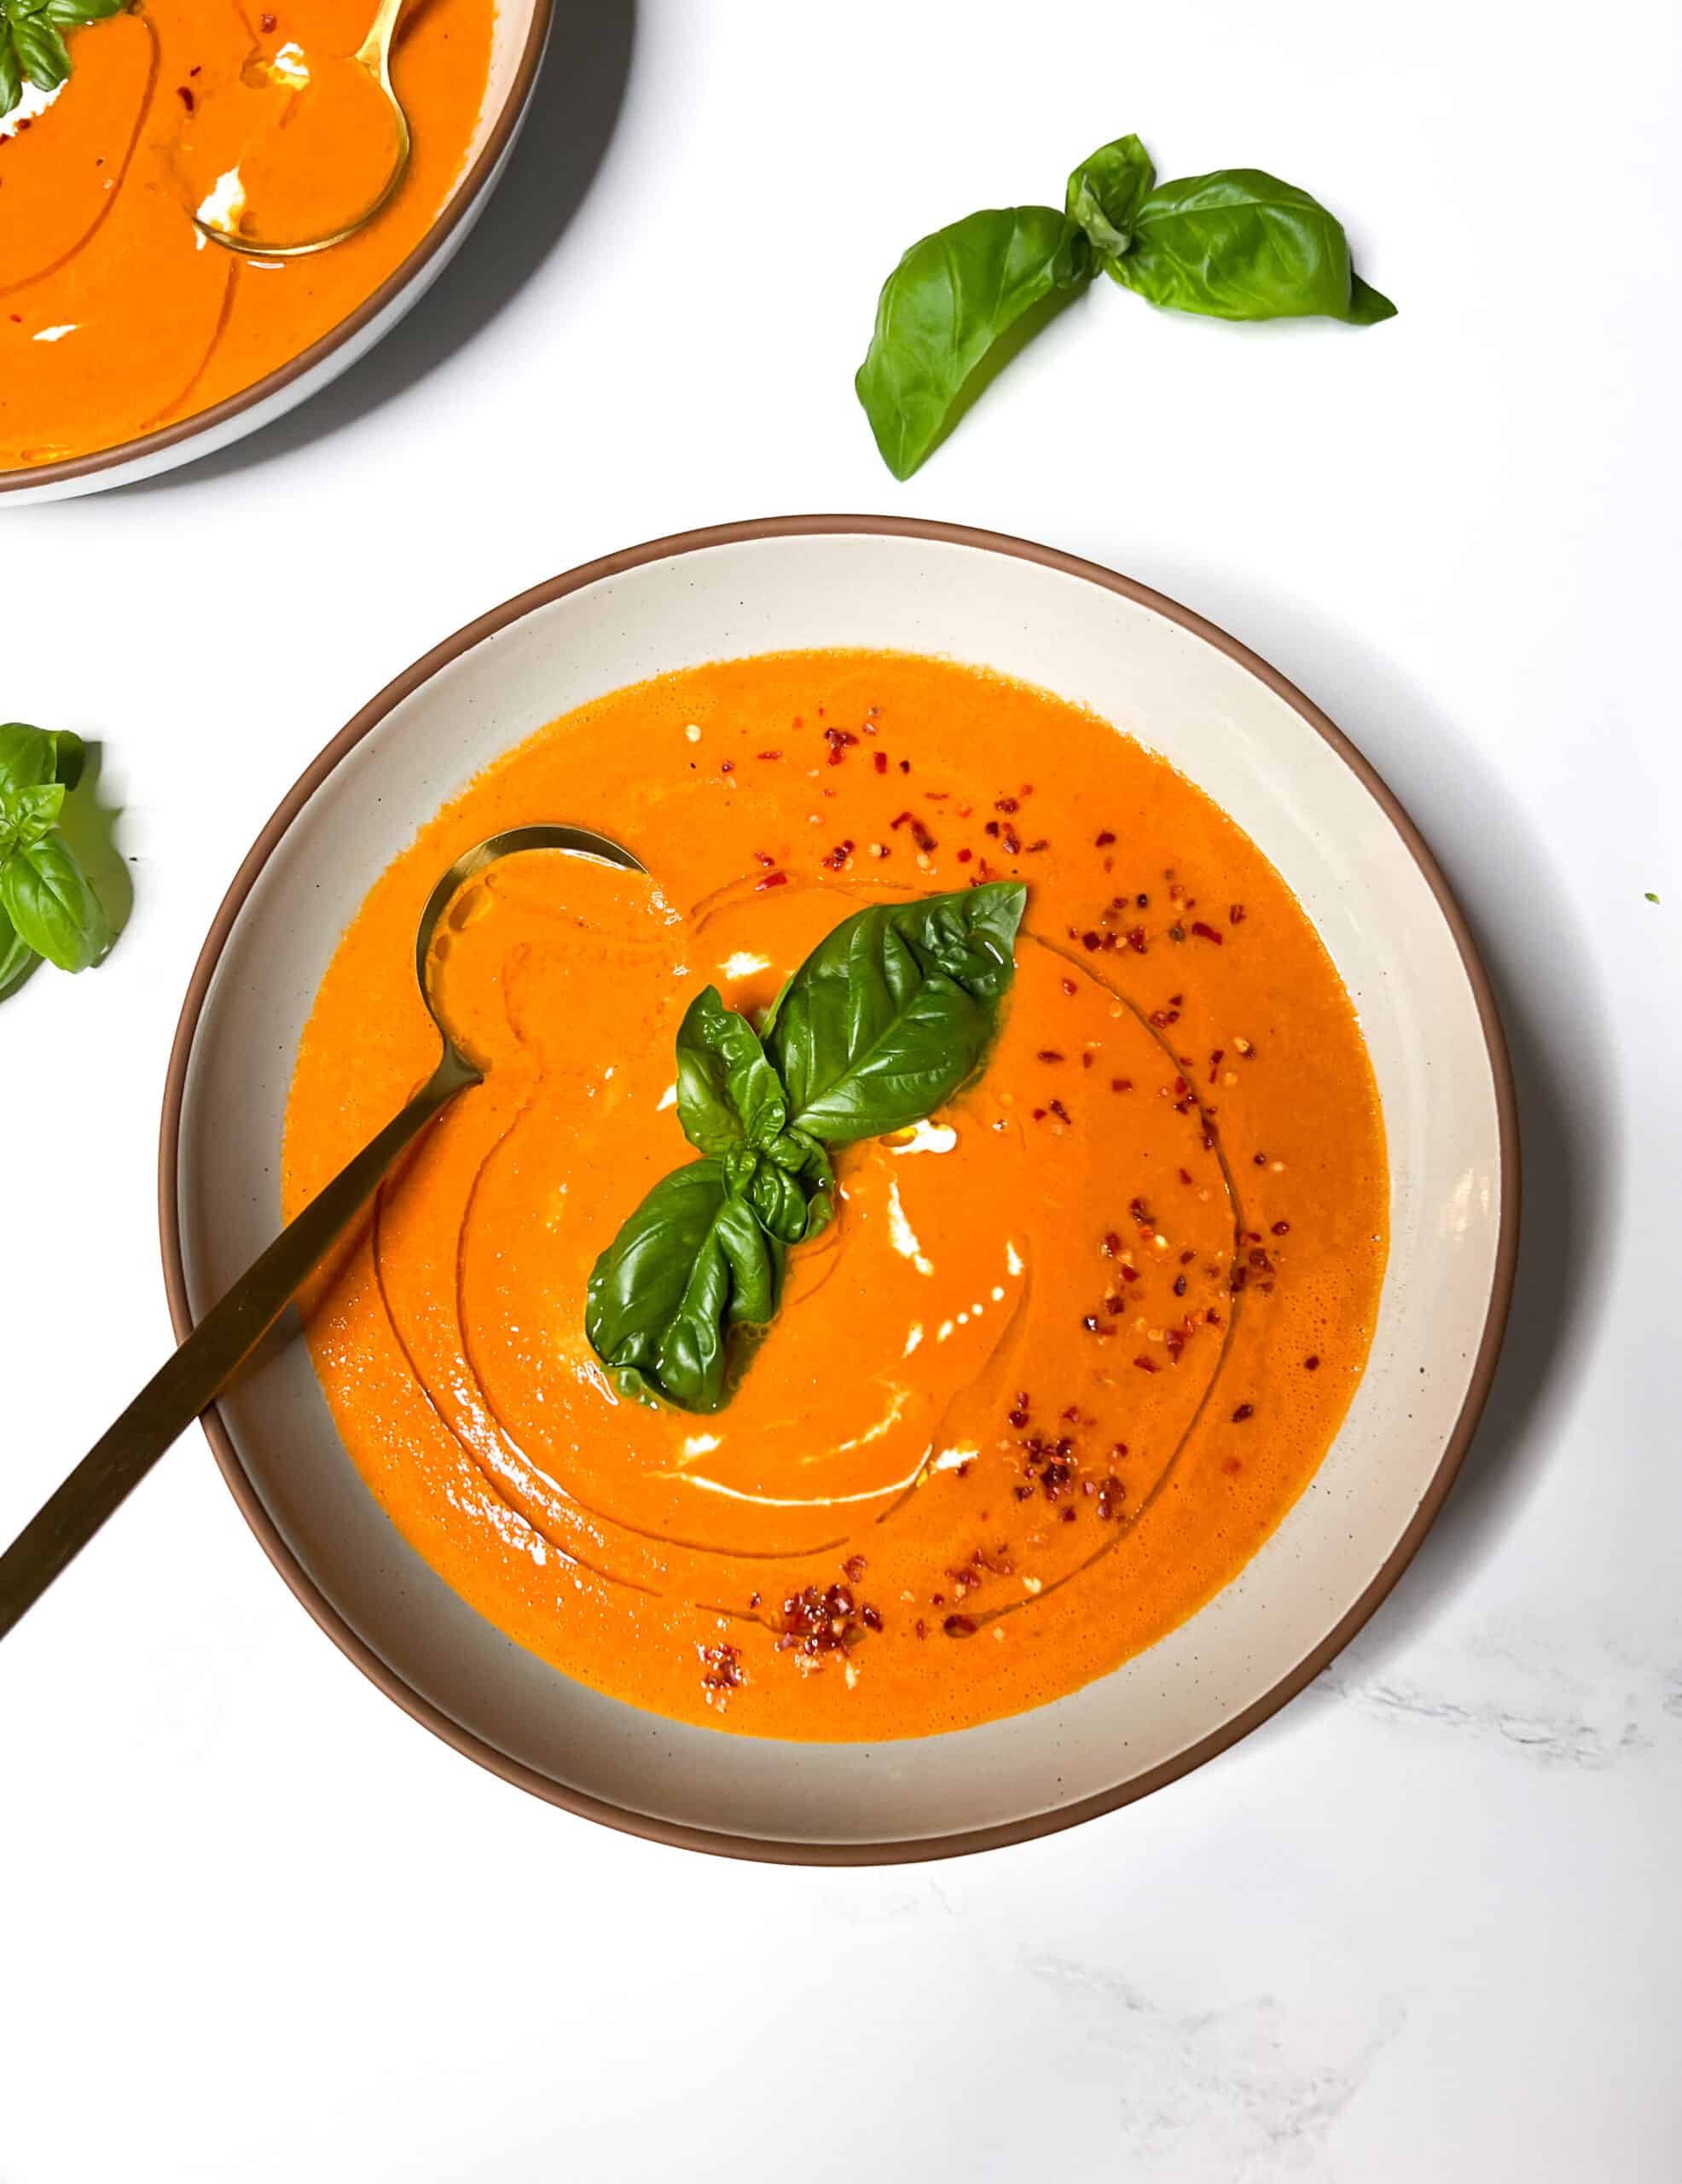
column 256, row 1925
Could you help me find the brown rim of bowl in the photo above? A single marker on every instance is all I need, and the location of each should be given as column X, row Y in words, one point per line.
column 467, row 194
column 744, row 1846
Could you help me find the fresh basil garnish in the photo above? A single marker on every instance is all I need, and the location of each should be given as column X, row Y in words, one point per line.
column 886, row 1019
column 727, row 1093
column 692, row 1266
column 33, row 50
column 946, row 309
column 1236, row 245
column 47, row 907
column 890, row 1016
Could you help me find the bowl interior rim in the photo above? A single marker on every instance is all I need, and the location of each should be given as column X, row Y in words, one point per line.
column 768, row 1848
column 456, row 208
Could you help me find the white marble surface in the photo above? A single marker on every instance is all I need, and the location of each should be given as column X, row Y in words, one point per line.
column 1426, row 1924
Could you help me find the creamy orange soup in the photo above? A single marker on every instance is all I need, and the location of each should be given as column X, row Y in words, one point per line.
column 1070, row 1349
column 116, row 317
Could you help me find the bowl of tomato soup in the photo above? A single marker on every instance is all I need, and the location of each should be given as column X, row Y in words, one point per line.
column 1130, row 1366
column 131, row 343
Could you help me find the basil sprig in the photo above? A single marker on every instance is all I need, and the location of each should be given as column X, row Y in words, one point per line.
column 884, row 1022
column 33, row 50
column 1236, row 245
column 47, row 907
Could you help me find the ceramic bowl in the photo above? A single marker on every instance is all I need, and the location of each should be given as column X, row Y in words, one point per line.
column 1285, row 773
column 520, row 31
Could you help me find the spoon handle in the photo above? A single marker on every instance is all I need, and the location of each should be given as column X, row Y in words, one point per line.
column 205, row 1363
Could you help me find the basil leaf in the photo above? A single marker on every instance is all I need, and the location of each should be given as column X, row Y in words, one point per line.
column 727, row 1093
column 792, row 1189
column 1242, row 245
column 1366, row 306
column 16, row 955
column 41, row 54
column 45, row 894
column 32, row 49
column 690, row 1269
column 28, row 756
column 946, row 309
column 81, row 11
column 28, row 813
column 894, row 1012
column 1106, row 192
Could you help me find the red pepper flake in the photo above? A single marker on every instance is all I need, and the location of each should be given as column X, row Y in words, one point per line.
column 964, row 854
column 1050, row 1054
column 1091, row 1323
column 1129, row 1274
column 1207, row 933
column 1145, row 1365
column 763, row 856
column 267, row 22
column 919, row 834
column 1102, row 841
column 838, row 741
column 1260, row 1159
column 879, row 760
column 1111, row 1246
column 771, row 880
column 1070, row 986
column 1235, row 916
column 186, row 97
column 991, row 827
column 1180, row 1285
column 1281, row 1228
column 837, row 857
column 958, row 1626
column 854, row 1568
column 1232, row 1466
column 1135, row 940
column 1245, row 1410
column 1039, row 1114
column 1109, row 1497
column 1012, row 842
column 1061, row 1111
column 768, row 754
column 728, row 766
column 905, row 765
column 1090, row 941
column 1310, row 1364
column 1004, row 804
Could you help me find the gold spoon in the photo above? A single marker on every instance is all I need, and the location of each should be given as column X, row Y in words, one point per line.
column 374, row 56
column 231, row 1330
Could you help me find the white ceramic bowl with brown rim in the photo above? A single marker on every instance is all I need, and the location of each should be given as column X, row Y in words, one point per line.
column 1270, row 759
column 519, row 35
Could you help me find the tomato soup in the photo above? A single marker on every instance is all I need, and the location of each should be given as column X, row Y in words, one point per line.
column 116, row 316
column 1070, row 1348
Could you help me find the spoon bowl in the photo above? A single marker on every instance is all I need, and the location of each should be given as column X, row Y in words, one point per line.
column 232, row 1327
column 364, row 77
